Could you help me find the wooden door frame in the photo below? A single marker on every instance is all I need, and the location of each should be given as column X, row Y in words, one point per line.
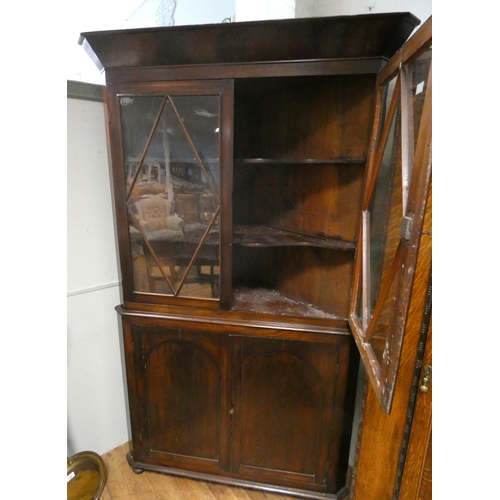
column 416, row 482
column 383, row 374
column 382, row 438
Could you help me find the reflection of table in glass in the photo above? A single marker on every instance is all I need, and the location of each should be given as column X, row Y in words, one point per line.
column 189, row 265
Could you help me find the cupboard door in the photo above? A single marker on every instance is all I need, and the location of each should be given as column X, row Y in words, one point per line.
column 171, row 147
column 179, row 401
column 399, row 172
column 285, row 408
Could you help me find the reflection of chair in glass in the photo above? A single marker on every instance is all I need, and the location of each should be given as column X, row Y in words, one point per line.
column 159, row 226
column 170, row 251
column 156, row 219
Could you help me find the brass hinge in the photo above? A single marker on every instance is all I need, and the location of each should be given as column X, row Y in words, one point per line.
column 426, row 379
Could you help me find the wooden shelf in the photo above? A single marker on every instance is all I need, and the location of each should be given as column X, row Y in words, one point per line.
column 266, row 301
column 304, row 161
column 263, row 236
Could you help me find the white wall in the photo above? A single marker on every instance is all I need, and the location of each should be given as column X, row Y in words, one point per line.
column 203, row 12
column 257, row 10
column 278, row 9
column 128, row 14
column 96, row 396
column 317, row 8
column 96, row 400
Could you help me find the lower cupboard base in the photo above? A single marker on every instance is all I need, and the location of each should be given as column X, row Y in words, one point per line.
column 139, row 467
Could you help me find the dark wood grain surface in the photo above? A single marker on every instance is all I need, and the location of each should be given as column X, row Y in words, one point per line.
column 374, row 35
column 255, row 389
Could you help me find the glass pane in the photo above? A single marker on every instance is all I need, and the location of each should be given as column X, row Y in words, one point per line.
column 383, row 328
column 200, row 116
column 385, row 212
column 387, row 260
column 387, row 94
column 419, row 71
column 138, row 117
column 414, row 86
column 174, row 195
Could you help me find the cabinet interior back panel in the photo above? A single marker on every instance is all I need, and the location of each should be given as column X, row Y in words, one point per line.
column 300, row 157
column 303, row 117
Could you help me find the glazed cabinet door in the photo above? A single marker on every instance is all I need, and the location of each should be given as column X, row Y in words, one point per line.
column 171, row 154
column 287, row 412
column 178, row 392
column 393, row 209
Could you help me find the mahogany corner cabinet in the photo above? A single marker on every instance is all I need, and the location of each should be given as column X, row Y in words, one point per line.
column 257, row 174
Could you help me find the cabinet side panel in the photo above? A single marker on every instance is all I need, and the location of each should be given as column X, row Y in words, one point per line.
column 133, row 354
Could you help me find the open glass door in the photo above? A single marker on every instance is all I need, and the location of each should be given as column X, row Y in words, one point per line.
column 397, row 183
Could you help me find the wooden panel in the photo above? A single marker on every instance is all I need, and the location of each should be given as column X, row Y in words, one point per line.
column 292, row 39
column 283, row 410
column 317, row 276
column 381, row 435
column 324, row 329
column 183, row 393
column 303, row 117
column 416, row 482
column 312, row 122
column 425, row 492
column 182, row 381
column 320, row 200
column 361, row 66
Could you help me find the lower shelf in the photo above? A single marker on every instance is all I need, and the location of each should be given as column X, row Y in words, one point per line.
column 263, row 300
column 140, row 467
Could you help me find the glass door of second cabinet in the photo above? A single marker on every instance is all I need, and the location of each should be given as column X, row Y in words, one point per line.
column 394, row 205
column 171, row 176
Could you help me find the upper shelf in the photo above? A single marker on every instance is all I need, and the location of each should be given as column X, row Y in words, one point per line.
column 309, row 39
column 305, row 161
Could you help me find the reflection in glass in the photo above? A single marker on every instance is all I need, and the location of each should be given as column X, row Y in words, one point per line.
column 413, row 90
column 384, row 324
column 171, row 151
column 387, row 95
column 388, row 205
column 419, row 71
column 385, row 213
